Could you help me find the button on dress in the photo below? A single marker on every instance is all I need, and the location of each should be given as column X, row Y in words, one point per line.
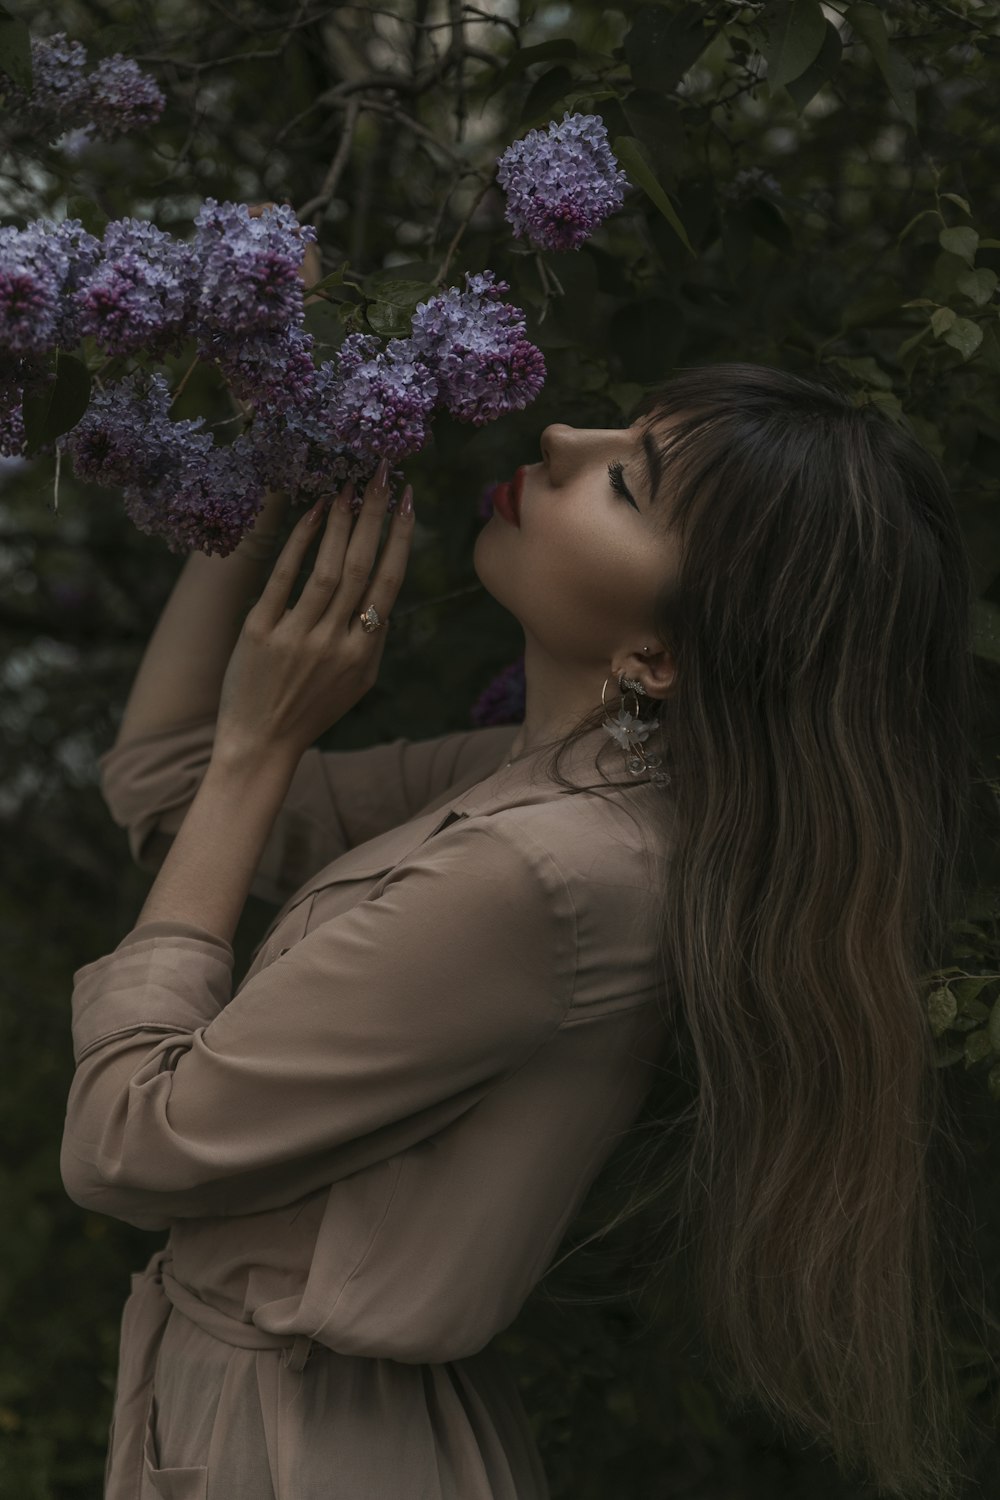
column 366, row 1153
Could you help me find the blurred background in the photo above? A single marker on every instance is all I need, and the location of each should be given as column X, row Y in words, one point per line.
column 817, row 188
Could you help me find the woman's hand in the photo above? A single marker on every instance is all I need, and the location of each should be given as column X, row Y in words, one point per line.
column 295, row 671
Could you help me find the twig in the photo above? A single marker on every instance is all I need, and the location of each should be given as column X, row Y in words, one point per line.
column 443, row 268
column 326, row 192
column 458, row 48
column 184, row 380
column 394, row 112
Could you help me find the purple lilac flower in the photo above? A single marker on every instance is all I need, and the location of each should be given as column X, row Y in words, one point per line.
column 248, row 268
column 561, row 183
column 126, row 436
column 474, row 344
column 381, row 407
column 279, row 452
column 122, row 97
column 209, row 500
column 40, row 267
column 11, row 396
column 117, row 96
column 141, row 295
column 503, row 700
column 274, row 368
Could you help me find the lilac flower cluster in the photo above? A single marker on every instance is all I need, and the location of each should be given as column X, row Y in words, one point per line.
column 561, row 183
column 116, row 96
column 141, row 295
column 475, row 343
column 176, row 482
column 41, row 269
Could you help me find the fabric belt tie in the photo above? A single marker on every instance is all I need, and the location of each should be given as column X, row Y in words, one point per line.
column 144, row 1320
column 232, row 1330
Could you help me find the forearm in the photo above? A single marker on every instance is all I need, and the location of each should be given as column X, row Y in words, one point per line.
column 207, row 873
column 180, row 675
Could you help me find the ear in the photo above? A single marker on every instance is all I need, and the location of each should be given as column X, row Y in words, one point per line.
column 656, row 671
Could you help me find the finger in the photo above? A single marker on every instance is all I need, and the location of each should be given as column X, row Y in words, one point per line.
column 387, row 580
column 273, row 601
column 327, row 570
column 341, row 575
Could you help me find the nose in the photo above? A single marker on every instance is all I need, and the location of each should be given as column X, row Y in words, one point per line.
column 551, row 440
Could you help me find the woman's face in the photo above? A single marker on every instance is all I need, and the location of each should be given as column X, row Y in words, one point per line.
column 582, row 570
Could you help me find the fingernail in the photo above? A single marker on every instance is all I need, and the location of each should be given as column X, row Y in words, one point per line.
column 406, row 504
column 382, row 474
column 347, row 495
column 316, row 513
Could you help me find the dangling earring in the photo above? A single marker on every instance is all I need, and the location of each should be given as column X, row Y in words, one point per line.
column 630, row 731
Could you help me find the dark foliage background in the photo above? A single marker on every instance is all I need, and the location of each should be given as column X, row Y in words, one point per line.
column 818, row 188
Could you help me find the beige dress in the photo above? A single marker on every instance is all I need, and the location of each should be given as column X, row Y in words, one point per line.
column 367, row 1152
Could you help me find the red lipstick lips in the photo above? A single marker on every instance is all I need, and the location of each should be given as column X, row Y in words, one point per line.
column 507, row 499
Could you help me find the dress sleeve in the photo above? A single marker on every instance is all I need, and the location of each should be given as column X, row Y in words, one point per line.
column 337, row 799
column 373, row 1032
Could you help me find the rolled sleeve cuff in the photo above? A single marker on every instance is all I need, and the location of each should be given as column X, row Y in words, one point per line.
column 163, row 976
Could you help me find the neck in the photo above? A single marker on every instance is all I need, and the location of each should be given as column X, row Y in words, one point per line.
column 555, row 700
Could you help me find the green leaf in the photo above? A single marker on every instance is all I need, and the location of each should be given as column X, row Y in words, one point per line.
column 916, row 220
column 993, row 1026
column 942, row 1008
column 561, row 47
column 954, row 198
column 965, row 336
column 869, row 23
column 660, row 46
column 15, row 50
column 978, row 285
column 631, row 154
column 961, row 241
column 820, row 71
column 977, row 1046
column 993, row 1083
column 912, row 341
column 398, row 292
column 390, row 321
column 942, row 319
column 325, row 324
column 90, row 216
column 985, row 620
column 551, row 88
column 796, row 30
column 59, row 406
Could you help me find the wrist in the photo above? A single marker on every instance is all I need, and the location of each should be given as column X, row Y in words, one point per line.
column 255, row 766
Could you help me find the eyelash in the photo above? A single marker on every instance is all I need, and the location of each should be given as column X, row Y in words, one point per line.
column 615, row 472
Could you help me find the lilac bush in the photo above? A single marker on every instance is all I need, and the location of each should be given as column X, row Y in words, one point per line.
column 561, row 183
column 236, row 292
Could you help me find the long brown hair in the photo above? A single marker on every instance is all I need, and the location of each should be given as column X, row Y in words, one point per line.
column 819, row 740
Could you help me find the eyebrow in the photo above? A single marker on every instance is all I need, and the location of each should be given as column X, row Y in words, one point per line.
column 653, row 463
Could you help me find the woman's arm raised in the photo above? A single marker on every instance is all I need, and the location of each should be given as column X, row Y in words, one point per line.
column 181, row 672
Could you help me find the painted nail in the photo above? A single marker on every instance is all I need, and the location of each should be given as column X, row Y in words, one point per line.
column 406, row 504
column 382, row 474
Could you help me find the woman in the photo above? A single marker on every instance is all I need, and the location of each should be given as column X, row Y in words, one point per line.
column 368, row 1153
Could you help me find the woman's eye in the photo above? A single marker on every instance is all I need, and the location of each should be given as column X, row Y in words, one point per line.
column 616, row 472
